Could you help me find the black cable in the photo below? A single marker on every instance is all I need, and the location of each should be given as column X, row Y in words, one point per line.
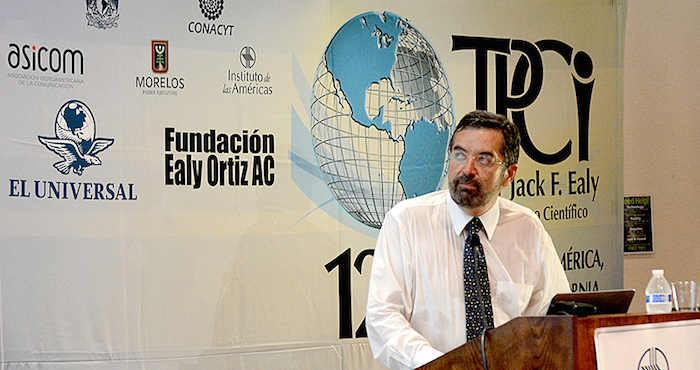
column 483, row 348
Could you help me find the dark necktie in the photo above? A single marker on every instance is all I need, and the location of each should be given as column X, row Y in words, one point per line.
column 477, row 293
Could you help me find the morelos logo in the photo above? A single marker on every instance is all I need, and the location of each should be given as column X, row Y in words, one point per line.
column 159, row 56
column 160, row 64
column 75, row 140
column 103, row 13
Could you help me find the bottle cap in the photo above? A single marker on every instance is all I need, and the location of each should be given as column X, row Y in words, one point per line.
column 657, row 272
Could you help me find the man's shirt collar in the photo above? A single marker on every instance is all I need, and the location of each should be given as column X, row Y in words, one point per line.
column 460, row 218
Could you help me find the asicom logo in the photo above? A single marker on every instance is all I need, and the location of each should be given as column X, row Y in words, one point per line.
column 75, row 140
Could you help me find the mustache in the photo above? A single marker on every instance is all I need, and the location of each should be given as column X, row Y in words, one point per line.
column 466, row 179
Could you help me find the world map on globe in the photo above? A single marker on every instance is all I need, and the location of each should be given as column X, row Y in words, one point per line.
column 381, row 115
column 75, row 122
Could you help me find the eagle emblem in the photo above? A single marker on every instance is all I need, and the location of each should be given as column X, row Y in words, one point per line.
column 75, row 140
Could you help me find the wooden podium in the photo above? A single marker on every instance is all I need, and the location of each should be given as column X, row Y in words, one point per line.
column 549, row 342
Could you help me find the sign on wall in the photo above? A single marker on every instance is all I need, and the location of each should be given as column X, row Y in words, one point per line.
column 638, row 227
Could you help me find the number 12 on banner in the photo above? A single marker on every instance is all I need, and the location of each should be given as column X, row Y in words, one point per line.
column 342, row 262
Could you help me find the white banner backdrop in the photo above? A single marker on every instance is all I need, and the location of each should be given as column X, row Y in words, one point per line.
column 197, row 184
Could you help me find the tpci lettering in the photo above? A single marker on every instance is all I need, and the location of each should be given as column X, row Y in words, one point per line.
column 529, row 67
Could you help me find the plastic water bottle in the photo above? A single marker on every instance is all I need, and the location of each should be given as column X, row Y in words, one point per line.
column 658, row 293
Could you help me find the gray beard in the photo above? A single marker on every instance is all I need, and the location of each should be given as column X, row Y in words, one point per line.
column 475, row 198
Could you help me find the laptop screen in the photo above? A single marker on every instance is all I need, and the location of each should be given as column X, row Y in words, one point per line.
column 589, row 303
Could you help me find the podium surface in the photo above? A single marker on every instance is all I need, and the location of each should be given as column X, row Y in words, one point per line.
column 548, row 342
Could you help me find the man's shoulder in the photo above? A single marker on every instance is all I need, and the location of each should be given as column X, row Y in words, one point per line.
column 426, row 201
column 512, row 210
column 522, row 221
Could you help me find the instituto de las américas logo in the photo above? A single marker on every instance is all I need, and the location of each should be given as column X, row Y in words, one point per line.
column 102, row 14
column 75, row 140
column 381, row 115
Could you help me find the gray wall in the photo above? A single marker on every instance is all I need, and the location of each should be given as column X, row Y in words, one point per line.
column 661, row 129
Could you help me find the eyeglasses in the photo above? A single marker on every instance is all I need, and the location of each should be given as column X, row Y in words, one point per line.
column 482, row 161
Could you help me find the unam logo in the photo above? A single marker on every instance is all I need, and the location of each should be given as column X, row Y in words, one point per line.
column 75, row 139
column 103, row 13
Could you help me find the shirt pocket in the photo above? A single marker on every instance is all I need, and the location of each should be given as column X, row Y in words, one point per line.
column 510, row 300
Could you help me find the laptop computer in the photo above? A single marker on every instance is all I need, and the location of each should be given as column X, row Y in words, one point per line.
column 591, row 303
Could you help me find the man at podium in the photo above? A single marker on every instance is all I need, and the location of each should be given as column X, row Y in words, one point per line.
column 451, row 264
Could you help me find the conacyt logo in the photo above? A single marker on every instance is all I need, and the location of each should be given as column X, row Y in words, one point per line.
column 211, row 10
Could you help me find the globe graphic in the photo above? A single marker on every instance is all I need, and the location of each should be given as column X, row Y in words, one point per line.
column 381, row 116
column 75, row 122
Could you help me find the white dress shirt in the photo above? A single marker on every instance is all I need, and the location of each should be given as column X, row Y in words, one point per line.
column 415, row 307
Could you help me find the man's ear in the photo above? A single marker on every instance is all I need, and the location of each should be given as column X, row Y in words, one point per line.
column 510, row 174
